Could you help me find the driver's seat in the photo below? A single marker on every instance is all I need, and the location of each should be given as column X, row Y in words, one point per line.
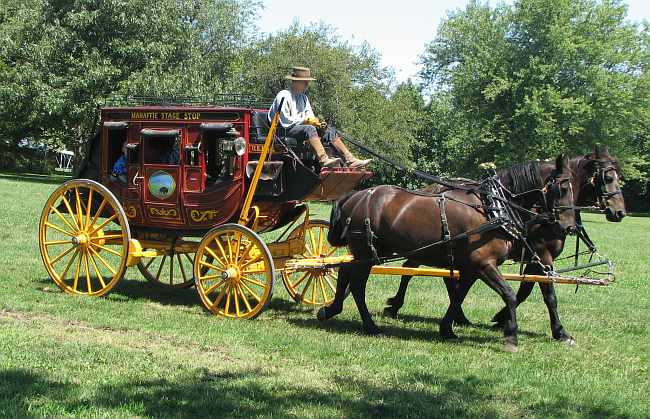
column 260, row 129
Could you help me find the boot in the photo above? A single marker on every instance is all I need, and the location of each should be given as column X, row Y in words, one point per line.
column 352, row 162
column 323, row 158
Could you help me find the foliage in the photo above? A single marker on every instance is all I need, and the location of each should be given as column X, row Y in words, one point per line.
column 536, row 78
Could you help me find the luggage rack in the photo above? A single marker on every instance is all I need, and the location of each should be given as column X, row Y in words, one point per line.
column 224, row 100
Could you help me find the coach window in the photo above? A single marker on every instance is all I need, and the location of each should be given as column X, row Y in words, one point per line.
column 161, row 146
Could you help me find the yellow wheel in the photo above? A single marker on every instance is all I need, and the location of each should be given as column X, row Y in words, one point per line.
column 314, row 287
column 84, row 238
column 233, row 272
column 171, row 270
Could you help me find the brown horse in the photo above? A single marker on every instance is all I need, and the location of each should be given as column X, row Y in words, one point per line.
column 595, row 182
column 388, row 220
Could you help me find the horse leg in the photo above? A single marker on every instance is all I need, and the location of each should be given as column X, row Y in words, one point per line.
column 358, row 289
column 456, row 298
column 394, row 303
column 451, row 285
column 525, row 288
column 493, row 278
column 342, row 283
column 548, row 292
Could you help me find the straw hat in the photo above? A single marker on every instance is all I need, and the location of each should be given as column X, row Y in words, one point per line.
column 300, row 73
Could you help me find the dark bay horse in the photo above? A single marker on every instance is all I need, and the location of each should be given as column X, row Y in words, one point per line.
column 388, row 220
column 595, row 183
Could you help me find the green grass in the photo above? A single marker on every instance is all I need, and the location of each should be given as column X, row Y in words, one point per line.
column 145, row 352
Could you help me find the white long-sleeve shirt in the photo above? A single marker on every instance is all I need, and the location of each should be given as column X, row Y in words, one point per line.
column 295, row 109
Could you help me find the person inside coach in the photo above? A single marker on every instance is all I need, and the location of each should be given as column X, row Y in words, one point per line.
column 298, row 121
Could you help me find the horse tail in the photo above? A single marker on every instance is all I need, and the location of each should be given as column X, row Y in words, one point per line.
column 335, row 235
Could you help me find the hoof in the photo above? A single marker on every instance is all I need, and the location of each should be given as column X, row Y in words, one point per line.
column 390, row 311
column 567, row 340
column 321, row 315
column 500, row 317
column 497, row 326
column 510, row 347
column 463, row 321
column 448, row 334
column 372, row 330
column 511, row 344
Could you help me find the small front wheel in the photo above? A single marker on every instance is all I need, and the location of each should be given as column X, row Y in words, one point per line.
column 233, row 272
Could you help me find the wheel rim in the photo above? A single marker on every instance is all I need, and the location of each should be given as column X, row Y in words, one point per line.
column 314, row 287
column 233, row 272
column 171, row 270
column 84, row 238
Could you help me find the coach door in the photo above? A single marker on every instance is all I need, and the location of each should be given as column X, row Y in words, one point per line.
column 161, row 189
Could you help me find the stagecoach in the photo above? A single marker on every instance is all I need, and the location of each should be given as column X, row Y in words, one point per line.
column 203, row 180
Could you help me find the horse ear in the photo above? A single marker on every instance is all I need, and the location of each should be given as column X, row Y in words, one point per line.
column 561, row 162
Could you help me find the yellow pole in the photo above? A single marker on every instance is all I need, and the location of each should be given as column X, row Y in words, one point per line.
column 268, row 143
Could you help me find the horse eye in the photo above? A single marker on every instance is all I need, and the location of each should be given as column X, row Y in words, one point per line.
column 609, row 179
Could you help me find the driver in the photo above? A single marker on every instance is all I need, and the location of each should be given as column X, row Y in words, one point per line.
column 297, row 120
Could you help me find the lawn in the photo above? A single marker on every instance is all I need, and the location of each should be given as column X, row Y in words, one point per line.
column 141, row 351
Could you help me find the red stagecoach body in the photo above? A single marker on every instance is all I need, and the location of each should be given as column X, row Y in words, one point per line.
column 205, row 184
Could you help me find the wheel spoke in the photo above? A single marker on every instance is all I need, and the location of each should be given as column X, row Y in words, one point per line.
column 59, row 229
column 108, row 249
column 215, row 257
column 76, row 273
column 322, row 289
column 236, row 298
column 244, row 255
column 57, row 212
column 180, row 264
column 87, row 269
column 230, row 259
column 329, row 283
column 162, row 263
column 67, row 266
column 67, row 205
column 253, row 281
column 149, row 263
column 171, row 269
column 226, row 309
column 99, row 212
column 244, row 298
column 236, row 255
column 306, row 287
column 101, row 259
column 53, row 242
column 217, row 240
column 214, row 287
column 211, row 266
column 219, row 296
column 320, row 240
column 250, row 262
column 108, row 220
column 65, row 252
column 99, row 274
column 251, row 292
column 78, row 205
column 89, row 206
column 313, row 242
column 302, row 278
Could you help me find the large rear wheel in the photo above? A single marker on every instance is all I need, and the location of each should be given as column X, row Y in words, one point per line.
column 233, row 272
column 314, row 287
column 84, row 238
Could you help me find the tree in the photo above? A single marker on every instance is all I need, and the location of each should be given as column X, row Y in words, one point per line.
column 536, row 78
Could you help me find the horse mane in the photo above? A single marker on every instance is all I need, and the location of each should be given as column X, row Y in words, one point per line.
column 522, row 177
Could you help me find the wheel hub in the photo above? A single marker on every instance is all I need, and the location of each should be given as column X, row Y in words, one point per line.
column 231, row 274
column 80, row 240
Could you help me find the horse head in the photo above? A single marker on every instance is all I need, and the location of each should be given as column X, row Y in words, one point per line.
column 597, row 183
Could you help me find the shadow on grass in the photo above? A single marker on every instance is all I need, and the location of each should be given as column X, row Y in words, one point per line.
column 254, row 393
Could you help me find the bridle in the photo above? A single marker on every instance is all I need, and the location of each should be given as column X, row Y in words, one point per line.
column 599, row 182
